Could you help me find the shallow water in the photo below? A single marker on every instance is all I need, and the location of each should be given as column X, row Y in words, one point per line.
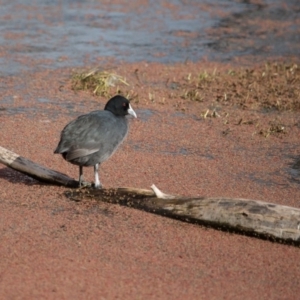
column 70, row 33
column 294, row 169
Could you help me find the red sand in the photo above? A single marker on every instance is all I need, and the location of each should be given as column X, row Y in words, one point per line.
column 54, row 248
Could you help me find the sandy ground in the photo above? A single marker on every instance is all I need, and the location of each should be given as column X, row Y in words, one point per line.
column 198, row 133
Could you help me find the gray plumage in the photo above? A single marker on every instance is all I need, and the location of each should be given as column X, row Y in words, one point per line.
column 91, row 139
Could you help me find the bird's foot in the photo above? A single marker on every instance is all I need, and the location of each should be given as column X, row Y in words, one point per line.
column 84, row 184
column 97, row 186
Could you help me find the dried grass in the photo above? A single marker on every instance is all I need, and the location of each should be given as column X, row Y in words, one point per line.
column 96, row 81
column 274, row 86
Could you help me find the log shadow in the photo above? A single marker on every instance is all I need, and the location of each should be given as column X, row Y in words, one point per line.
column 14, row 177
column 146, row 200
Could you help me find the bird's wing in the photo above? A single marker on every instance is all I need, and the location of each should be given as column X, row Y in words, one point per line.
column 76, row 153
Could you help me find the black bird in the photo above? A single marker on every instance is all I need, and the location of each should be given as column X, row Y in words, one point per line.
column 91, row 139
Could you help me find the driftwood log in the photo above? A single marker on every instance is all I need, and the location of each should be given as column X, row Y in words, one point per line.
column 34, row 170
column 251, row 217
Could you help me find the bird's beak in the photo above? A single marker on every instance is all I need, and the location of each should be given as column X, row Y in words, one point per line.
column 131, row 111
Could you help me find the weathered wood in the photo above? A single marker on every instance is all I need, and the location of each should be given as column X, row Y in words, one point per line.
column 251, row 217
column 34, row 170
column 265, row 220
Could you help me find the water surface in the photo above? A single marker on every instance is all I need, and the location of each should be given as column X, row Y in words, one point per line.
column 75, row 33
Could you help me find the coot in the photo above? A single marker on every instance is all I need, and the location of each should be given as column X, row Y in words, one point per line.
column 93, row 138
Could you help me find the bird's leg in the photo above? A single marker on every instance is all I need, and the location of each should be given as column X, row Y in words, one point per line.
column 97, row 181
column 80, row 176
